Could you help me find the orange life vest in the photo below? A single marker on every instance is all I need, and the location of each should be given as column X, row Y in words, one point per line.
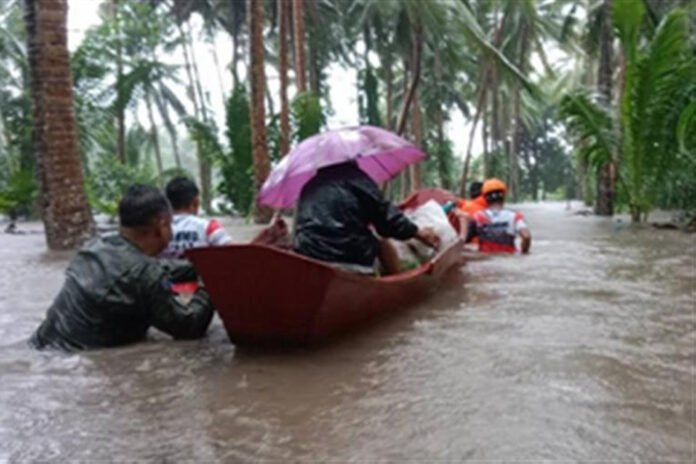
column 471, row 207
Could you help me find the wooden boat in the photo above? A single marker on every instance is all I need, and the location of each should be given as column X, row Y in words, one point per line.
column 267, row 295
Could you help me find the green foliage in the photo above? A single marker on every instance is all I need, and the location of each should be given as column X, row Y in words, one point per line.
column 236, row 166
column 307, row 115
column 17, row 193
column 648, row 129
column 440, row 168
column 109, row 180
column 593, row 123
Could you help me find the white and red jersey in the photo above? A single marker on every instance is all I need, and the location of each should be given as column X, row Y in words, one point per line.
column 497, row 229
column 191, row 231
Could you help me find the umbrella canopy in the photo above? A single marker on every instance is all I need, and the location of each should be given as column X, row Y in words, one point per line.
column 379, row 153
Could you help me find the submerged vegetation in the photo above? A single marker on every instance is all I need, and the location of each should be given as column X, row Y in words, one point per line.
column 592, row 99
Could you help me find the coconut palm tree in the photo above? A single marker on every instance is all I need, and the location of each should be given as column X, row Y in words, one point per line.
column 63, row 202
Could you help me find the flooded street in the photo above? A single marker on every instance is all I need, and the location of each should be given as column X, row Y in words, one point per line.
column 583, row 350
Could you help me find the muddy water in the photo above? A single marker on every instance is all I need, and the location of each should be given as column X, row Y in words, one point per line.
column 586, row 349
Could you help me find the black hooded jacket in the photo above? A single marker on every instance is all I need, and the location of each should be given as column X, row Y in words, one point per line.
column 335, row 212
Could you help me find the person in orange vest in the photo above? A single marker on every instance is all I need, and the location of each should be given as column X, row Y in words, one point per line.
column 498, row 227
column 476, row 200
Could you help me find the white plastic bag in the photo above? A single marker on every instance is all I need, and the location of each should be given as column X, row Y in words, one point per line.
column 429, row 214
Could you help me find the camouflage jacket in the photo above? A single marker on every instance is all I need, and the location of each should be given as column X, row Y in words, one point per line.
column 113, row 293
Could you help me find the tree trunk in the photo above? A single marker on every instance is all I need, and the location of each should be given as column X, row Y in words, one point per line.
column 416, row 50
column 439, row 118
column 191, row 90
column 467, row 158
column 389, row 77
column 154, row 135
column 604, row 205
column 485, row 133
column 516, row 132
column 298, row 24
column 488, row 69
column 417, row 128
column 121, row 111
column 261, row 162
column 171, row 129
column 314, row 68
column 284, row 22
column 65, row 212
column 204, row 167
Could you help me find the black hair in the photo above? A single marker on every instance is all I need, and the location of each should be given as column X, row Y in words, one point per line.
column 496, row 196
column 140, row 205
column 181, row 191
column 475, row 189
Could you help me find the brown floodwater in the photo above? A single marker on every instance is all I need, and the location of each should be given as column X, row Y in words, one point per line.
column 583, row 350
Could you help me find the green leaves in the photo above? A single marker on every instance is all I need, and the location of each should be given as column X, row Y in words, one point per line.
column 628, row 17
column 650, row 131
column 17, row 193
column 686, row 130
column 593, row 124
column 236, row 165
column 307, row 115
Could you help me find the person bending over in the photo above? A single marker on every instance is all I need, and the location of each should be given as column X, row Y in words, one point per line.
column 188, row 229
column 336, row 214
column 115, row 288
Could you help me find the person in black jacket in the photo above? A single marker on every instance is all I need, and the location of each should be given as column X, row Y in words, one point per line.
column 339, row 211
column 115, row 289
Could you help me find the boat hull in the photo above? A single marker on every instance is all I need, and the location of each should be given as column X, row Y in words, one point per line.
column 266, row 295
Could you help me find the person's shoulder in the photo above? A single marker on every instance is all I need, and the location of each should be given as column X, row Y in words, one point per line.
column 187, row 220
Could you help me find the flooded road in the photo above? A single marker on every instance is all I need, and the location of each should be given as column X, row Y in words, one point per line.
column 583, row 350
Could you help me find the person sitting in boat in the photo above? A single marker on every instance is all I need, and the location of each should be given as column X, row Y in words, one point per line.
column 188, row 229
column 498, row 227
column 115, row 288
column 337, row 211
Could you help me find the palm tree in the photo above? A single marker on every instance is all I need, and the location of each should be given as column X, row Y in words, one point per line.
column 604, row 205
column 63, row 201
column 261, row 162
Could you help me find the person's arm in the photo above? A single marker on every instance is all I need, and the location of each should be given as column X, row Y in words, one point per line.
column 216, row 235
column 178, row 270
column 522, row 230
column 526, row 240
column 388, row 220
column 167, row 313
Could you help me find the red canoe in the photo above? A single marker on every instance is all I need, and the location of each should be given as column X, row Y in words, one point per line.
column 267, row 295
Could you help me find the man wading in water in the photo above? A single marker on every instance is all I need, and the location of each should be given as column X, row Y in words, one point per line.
column 115, row 289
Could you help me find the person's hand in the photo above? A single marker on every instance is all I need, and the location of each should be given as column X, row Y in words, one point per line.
column 428, row 236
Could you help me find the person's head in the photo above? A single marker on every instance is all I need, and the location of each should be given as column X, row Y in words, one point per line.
column 183, row 194
column 475, row 189
column 493, row 191
column 145, row 218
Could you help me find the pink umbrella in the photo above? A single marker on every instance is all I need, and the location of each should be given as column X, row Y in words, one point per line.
column 379, row 153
